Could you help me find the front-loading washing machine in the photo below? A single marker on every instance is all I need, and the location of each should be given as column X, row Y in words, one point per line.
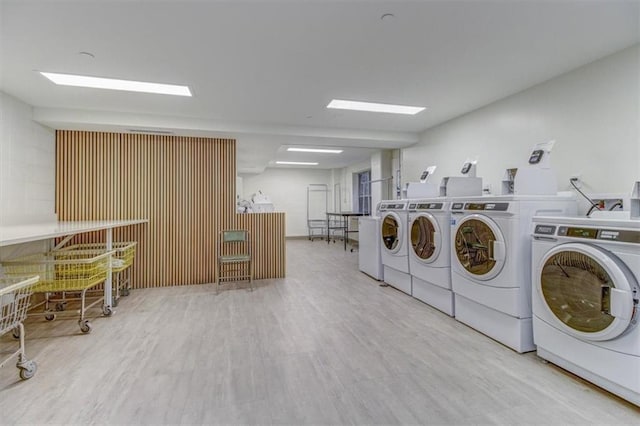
column 429, row 253
column 491, row 262
column 393, row 235
column 585, row 299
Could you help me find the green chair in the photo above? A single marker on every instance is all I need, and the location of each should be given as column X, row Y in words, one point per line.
column 234, row 257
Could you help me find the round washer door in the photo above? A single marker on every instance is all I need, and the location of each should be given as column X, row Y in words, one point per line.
column 479, row 247
column 588, row 290
column 426, row 237
column 391, row 232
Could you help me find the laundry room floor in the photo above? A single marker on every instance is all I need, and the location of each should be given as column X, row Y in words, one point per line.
column 326, row 345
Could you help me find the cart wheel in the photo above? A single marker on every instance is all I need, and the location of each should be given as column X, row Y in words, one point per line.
column 60, row 306
column 50, row 317
column 16, row 333
column 28, row 370
column 107, row 311
column 125, row 292
column 85, row 326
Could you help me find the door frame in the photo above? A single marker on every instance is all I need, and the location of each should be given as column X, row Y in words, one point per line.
column 499, row 248
column 623, row 283
column 437, row 237
column 400, row 231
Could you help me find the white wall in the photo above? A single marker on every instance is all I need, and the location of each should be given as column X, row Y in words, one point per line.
column 398, row 175
column 27, row 172
column 345, row 179
column 381, row 169
column 27, row 165
column 287, row 189
column 592, row 112
column 239, row 186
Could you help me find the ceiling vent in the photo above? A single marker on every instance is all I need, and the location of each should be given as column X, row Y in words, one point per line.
column 151, row 131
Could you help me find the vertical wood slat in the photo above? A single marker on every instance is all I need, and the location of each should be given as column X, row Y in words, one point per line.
column 184, row 186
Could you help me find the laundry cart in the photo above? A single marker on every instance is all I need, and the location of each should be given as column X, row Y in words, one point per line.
column 62, row 273
column 15, row 295
column 124, row 253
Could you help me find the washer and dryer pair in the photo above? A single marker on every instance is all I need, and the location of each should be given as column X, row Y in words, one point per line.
column 415, row 254
column 585, row 299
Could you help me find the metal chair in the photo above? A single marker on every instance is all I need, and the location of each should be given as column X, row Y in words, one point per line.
column 234, row 250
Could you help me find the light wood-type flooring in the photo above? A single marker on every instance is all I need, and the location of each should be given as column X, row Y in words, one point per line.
column 326, row 345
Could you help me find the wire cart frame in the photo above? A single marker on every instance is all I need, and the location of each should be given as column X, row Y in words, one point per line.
column 61, row 272
column 317, row 207
column 124, row 253
column 15, row 297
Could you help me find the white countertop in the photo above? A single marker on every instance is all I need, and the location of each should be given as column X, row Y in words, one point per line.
column 17, row 234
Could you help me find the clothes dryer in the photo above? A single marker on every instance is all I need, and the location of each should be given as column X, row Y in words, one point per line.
column 429, row 252
column 393, row 235
column 585, row 299
column 490, row 262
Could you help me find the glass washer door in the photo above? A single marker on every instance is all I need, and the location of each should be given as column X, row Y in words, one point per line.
column 587, row 290
column 479, row 247
column 391, row 232
column 426, row 238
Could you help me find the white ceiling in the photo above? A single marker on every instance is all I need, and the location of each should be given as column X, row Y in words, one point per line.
column 264, row 71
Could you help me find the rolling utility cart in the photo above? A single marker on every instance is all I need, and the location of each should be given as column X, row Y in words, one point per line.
column 15, row 294
column 64, row 272
column 317, row 205
column 123, row 254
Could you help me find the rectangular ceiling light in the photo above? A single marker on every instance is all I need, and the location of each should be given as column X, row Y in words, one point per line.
column 322, row 151
column 373, row 107
column 296, row 163
column 114, row 84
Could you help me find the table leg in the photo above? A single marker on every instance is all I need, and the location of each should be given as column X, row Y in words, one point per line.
column 345, row 230
column 328, row 229
column 107, row 284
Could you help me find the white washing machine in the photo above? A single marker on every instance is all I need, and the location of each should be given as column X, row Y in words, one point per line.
column 491, row 262
column 585, row 299
column 393, row 235
column 430, row 253
column 369, row 250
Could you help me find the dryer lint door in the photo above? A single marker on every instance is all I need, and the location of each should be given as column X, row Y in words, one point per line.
column 588, row 290
column 479, row 247
column 391, row 232
column 426, row 237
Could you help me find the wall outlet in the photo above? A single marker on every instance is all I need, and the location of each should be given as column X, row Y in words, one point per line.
column 616, row 204
column 610, row 201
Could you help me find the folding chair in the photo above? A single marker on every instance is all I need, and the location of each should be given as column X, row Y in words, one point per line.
column 234, row 257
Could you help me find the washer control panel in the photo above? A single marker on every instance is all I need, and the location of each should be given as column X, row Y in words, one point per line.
column 425, row 206
column 392, row 206
column 585, row 232
column 501, row 207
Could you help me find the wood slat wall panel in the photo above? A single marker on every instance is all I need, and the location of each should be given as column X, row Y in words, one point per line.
column 184, row 186
column 268, row 242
